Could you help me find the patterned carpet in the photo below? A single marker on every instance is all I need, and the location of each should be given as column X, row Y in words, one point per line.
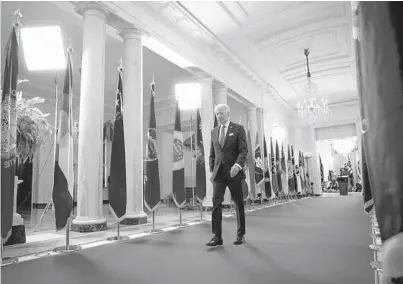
column 312, row 241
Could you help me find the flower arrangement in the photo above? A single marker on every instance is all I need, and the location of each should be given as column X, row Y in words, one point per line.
column 33, row 129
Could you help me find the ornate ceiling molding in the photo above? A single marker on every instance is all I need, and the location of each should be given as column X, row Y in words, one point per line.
column 141, row 15
column 225, row 8
column 223, row 52
column 199, row 74
column 219, row 87
column 219, row 48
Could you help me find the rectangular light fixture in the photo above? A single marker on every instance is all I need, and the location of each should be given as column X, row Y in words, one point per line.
column 188, row 95
column 43, row 48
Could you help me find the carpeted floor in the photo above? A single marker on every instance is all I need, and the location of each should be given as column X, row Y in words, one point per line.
column 313, row 241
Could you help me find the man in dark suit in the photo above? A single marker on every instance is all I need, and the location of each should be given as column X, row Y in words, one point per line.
column 227, row 158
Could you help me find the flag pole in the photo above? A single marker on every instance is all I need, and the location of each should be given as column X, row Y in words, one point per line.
column 191, row 163
column 47, row 207
column 68, row 248
column 153, row 230
column 119, row 97
column 196, row 141
column 262, row 151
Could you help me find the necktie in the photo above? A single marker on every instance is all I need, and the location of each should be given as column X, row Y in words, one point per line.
column 222, row 136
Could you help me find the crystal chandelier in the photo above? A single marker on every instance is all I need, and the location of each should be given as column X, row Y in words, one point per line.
column 310, row 110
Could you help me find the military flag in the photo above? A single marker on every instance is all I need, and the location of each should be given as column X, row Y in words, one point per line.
column 200, row 166
column 278, row 168
column 290, row 170
column 284, row 179
column 117, row 183
column 267, row 180
column 178, row 178
column 152, row 190
column 9, row 130
column 274, row 179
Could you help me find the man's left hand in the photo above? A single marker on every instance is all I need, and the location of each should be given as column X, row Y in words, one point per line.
column 234, row 171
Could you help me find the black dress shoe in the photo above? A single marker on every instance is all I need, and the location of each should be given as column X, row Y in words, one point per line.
column 215, row 241
column 239, row 240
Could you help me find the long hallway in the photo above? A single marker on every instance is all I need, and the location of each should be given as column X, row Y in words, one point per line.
column 313, row 241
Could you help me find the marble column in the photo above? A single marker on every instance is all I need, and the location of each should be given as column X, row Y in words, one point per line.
column 252, row 122
column 133, row 123
column 207, row 117
column 90, row 146
column 220, row 92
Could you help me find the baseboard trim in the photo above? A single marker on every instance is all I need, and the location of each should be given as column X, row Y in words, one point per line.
column 40, row 205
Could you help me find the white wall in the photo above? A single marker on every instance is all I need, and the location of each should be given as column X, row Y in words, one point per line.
column 324, row 150
column 344, row 113
column 275, row 114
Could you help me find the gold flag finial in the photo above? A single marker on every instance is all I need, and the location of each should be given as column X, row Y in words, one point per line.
column 19, row 16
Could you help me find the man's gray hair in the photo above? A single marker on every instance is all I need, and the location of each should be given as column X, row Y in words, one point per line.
column 222, row 107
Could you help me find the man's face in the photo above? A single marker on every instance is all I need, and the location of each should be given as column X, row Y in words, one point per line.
column 222, row 116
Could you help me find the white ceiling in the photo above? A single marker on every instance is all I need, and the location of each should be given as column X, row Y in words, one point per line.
column 270, row 37
column 264, row 41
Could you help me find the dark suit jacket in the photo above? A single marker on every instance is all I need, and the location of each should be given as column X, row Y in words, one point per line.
column 233, row 152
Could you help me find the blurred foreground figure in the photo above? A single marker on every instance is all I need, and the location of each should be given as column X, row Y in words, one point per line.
column 380, row 51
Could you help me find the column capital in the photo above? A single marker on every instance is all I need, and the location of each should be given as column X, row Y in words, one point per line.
column 218, row 86
column 86, row 8
column 252, row 108
column 199, row 74
column 130, row 32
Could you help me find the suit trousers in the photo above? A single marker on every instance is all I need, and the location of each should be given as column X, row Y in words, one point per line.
column 221, row 182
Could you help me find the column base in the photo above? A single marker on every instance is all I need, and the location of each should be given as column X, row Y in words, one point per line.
column 88, row 226
column 134, row 219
